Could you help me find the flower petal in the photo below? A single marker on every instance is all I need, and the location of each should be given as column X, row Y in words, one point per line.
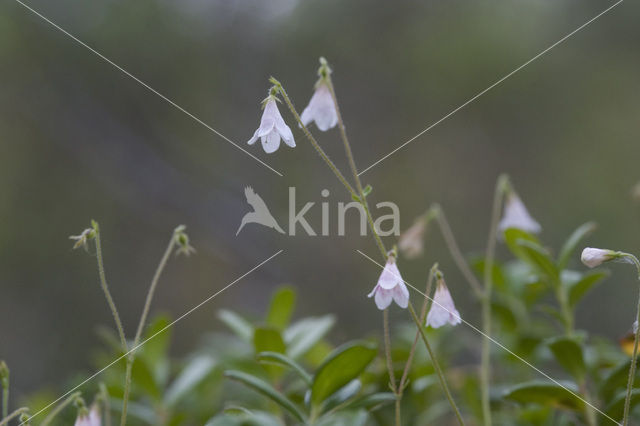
column 255, row 137
column 401, row 295
column 383, row 298
column 271, row 142
column 516, row 216
column 390, row 276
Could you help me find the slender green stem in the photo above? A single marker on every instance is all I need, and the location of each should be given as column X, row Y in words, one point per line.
column 13, row 415
column 106, row 404
column 485, row 367
column 565, row 309
column 634, row 357
column 423, row 314
column 436, row 365
column 387, row 351
column 71, row 398
column 452, row 245
column 313, row 141
column 141, row 324
column 105, row 287
column 352, row 165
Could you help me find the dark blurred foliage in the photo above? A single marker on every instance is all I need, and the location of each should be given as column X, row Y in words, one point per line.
column 81, row 140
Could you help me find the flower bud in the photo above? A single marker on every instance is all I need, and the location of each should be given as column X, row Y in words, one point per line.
column 593, row 257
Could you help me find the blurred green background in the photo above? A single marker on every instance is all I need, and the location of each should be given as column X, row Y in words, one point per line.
column 81, row 140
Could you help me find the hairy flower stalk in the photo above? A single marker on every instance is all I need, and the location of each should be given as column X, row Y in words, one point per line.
column 13, row 415
column 180, row 240
column 502, row 186
column 593, row 257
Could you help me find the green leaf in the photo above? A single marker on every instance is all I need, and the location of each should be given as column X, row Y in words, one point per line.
column 303, row 335
column 343, row 394
column 267, row 339
column 191, row 376
column 343, row 365
column 616, row 408
column 511, row 237
column 367, row 190
column 579, row 288
column 281, row 307
column 267, row 390
column 546, row 393
column 538, row 257
column 568, row 353
column 155, row 351
column 240, row 326
column 617, row 379
column 572, row 243
column 283, row 360
column 373, row 401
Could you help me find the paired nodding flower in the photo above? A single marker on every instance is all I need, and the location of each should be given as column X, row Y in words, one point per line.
column 442, row 310
column 272, row 127
column 390, row 287
column 516, row 216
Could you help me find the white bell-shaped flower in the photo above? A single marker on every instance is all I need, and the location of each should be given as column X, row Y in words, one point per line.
column 272, row 128
column 442, row 311
column 90, row 419
column 516, row 216
column 321, row 109
column 390, row 287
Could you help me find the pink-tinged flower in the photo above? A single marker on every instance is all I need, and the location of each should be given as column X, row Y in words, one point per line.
column 516, row 216
column 442, row 310
column 390, row 287
column 321, row 109
column 411, row 242
column 272, row 128
column 90, row 419
column 593, row 257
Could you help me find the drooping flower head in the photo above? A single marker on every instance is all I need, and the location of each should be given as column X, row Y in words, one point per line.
column 411, row 242
column 442, row 311
column 89, row 418
column 390, row 287
column 516, row 216
column 272, row 127
column 321, row 108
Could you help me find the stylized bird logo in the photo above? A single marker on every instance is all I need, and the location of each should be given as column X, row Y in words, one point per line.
column 260, row 213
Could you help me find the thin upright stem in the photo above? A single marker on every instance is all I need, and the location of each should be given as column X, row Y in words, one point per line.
column 353, row 167
column 387, row 348
column 458, row 257
column 105, row 288
column 634, row 356
column 13, row 415
column 485, row 368
column 313, row 141
column 141, row 324
column 436, row 366
column 106, row 404
column 71, row 398
column 423, row 314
